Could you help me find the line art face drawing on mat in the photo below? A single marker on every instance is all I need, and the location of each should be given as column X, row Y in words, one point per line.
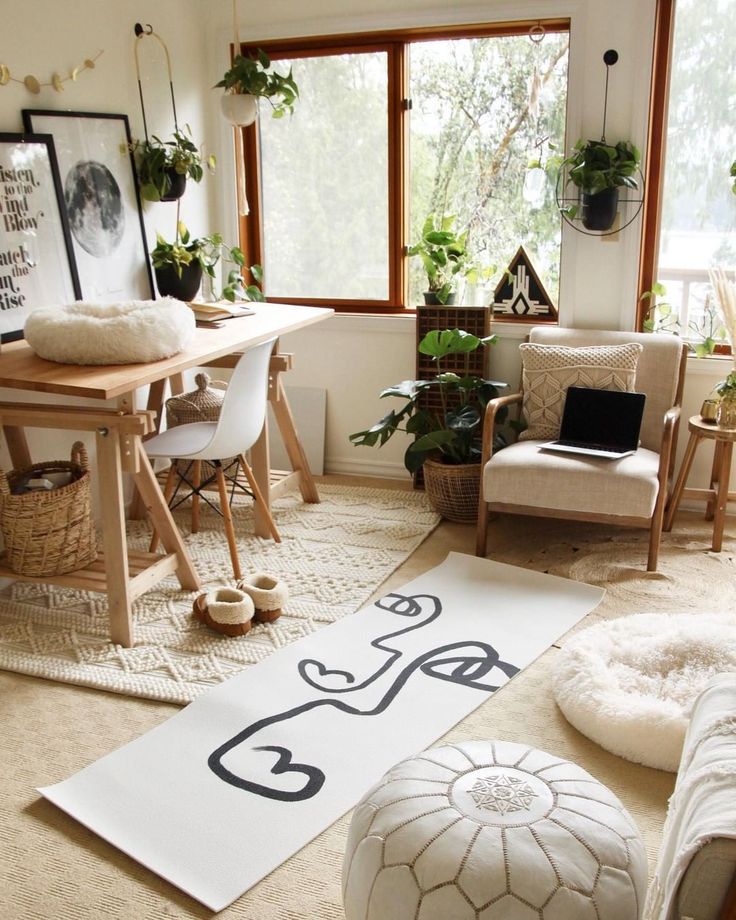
column 462, row 668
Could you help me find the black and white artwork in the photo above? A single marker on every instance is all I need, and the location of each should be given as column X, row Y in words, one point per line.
column 36, row 263
column 520, row 295
column 258, row 766
column 102, row 202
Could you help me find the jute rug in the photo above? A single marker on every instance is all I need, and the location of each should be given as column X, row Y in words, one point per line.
column 333, row 556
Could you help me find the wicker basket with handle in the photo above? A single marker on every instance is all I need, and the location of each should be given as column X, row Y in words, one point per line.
column 49, row 532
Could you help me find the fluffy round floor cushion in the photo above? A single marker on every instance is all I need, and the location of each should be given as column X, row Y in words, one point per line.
column 492, row 830
column 629, row 684
column 132, row 332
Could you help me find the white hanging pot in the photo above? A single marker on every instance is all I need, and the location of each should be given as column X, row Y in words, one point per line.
column 239, row 109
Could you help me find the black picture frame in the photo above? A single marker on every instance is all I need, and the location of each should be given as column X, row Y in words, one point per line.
column 37, row 267
column 102, row 200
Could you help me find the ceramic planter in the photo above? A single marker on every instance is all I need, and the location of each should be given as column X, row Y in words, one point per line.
column 240, row 109
column 185, row 288
column 598, row 211
column 177, row 186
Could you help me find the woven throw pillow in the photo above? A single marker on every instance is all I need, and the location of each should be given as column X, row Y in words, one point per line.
column 548, row 370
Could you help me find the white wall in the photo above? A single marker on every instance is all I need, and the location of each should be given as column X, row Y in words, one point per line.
column 46, row 36
column 353, row 357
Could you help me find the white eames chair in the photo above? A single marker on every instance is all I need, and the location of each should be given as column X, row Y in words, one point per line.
column 237, row 429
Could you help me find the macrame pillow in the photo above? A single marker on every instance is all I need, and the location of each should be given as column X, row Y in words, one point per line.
column 133, row 332
column 548, row 370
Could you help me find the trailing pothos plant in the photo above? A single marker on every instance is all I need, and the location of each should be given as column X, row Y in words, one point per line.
column 594, row 166
column 207, row 251
column 452, row 433
column 254, row 76
column 158, row 161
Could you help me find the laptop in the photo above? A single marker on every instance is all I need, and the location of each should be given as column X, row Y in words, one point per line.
column 599, row 423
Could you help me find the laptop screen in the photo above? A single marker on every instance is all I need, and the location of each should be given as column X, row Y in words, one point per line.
column 608, row 417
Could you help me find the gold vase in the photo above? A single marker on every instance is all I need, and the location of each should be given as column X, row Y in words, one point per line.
column 726, row 416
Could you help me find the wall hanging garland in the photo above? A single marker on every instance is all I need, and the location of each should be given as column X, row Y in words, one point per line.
column 34, row 85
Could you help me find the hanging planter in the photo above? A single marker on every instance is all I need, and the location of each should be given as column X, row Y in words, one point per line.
column 251, row 78
column 599, row 170
column 598, row 209
column 182, row 286
column 240, row 109
column 163, row 167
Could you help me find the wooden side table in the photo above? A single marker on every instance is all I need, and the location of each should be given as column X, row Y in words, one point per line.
column 717, row 496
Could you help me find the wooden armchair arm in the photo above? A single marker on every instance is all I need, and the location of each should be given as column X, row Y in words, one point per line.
column 666, row 453
column 489, row 422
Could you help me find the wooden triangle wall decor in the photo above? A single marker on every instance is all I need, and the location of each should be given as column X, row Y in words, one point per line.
column 520, row 295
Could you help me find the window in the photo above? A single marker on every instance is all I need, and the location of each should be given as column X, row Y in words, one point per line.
column 394, row 127
column 323, row 182
column 697, row 210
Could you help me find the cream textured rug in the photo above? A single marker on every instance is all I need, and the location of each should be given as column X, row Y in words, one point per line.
column 333, row 555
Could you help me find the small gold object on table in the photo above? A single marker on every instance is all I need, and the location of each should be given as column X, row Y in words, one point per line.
column 709, row 410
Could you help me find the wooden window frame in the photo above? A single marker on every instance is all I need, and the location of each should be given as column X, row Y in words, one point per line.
column 664, row 33
column 395, row 43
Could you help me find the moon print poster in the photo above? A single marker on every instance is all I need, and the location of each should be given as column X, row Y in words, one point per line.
column 36, row 266
column 101, row 198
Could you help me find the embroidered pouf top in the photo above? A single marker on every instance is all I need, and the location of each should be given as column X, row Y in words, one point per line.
column 492, row 830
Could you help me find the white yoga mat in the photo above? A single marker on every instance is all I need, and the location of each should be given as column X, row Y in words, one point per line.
column 222, row 793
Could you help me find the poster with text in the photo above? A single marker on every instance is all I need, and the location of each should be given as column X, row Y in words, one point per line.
column 100, row 193
column 36, row 264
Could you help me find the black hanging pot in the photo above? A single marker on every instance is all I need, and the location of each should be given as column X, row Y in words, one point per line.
column 599, row 209
column 177, row 185
column 169, row 283
column 431, row 299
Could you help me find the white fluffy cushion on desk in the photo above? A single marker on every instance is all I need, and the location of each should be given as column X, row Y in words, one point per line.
column 130, row 332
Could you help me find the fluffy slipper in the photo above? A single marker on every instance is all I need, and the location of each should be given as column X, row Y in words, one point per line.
column 227, row 610
column 268, row 594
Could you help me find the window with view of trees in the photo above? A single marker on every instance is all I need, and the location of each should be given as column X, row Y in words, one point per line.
column 698, row 209
column 387, row 132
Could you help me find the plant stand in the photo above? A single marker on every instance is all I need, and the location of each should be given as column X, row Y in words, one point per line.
column 476, row 320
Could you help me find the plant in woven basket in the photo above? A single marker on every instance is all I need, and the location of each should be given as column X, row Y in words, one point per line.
column 452, row 433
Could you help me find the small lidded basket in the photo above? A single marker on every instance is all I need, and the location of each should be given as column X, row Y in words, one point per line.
column 201, row 405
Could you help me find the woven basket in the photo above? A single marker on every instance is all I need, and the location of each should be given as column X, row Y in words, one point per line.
column 49, row 532
column 453, row 491
column 201, row 405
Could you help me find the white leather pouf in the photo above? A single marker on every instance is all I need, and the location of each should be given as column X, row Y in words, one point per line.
column 491, row 830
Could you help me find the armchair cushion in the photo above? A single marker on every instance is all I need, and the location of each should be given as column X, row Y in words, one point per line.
column 548, row 370
column 522, row 474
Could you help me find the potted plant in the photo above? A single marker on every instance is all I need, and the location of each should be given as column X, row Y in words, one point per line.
column 599, row 170
column 447, row 439
column 251, row 78
column 444, row 256
column 179, row 266
column 164, row 166
column 726, row 413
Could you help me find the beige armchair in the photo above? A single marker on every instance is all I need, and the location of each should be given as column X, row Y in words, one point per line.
column 630, row 492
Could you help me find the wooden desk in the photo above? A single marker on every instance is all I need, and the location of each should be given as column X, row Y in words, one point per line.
column 717, row 496
column 119, row 432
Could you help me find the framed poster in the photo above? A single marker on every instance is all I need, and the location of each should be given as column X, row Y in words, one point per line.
column 100, row 193
column 36, row 262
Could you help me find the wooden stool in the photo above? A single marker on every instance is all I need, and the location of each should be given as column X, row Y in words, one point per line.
column 717, row 496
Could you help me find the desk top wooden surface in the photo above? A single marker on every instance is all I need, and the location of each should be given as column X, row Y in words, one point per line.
column 22, row 369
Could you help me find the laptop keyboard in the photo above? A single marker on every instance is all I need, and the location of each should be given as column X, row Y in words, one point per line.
column 587, row 444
